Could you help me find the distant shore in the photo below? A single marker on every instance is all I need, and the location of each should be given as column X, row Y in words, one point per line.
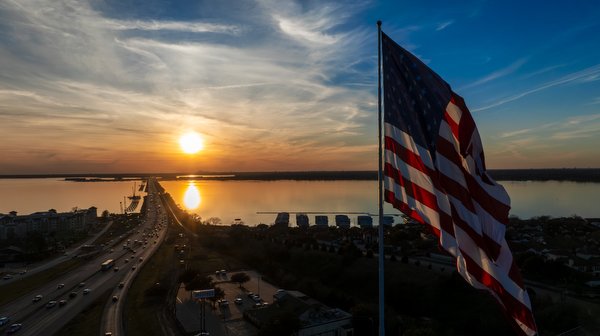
column 572, row 174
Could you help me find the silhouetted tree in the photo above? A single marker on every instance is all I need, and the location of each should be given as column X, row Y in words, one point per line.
column 240, row 278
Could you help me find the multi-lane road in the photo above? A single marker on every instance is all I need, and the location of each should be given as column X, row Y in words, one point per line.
column 44, row 318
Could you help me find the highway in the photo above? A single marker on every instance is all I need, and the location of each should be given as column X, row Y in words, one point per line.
column 33, row 269
column 38, row 319
column 113, row 311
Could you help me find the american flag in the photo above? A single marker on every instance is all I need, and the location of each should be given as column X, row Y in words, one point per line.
column 434, row 171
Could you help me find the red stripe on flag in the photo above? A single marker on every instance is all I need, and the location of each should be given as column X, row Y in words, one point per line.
column 390, row 197
column 516, row 308
column 408, row 156
column 483, row 242
column 413, row 190
column 491, row 205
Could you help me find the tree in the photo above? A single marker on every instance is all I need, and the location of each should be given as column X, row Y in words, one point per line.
column 219, row 294
column 199, row 282
column 213, row 221
column 240, row 278
column 105, row 214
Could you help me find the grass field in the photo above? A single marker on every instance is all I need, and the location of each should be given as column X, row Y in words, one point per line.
column 23, row 286
column 144, row 299
column 89, row 321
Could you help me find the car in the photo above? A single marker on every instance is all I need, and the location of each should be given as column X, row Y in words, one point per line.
column 133, row 268
column 23, row 272
column 116, row 269
column 126, row 260
column 115, row 298
column 50, row 304
column 223, row 303
column 108, row 333
column 62, row 303
column 14, row 328
column 121, row 285
column 256, row 299
column 86, row 291
column 4, row 320
column 7, row 277
column 250, row 294
column 81, row 284
column 141, row 259
column 60, row 286
column 238, row 300
column 37, row 298
column 72, row 294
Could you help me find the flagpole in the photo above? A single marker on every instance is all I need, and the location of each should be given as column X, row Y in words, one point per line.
column 380, row 180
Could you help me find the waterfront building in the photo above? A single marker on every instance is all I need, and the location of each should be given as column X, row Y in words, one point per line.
column 14, row 225
column 283, row 219
column 321, row 221
column 388, row 220
column 365, row 221
column 302, row 220
column 342, row 221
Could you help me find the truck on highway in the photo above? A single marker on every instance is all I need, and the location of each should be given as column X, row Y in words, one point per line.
column 107, row 264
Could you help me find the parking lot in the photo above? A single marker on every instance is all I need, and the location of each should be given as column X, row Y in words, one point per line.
column 227, row 318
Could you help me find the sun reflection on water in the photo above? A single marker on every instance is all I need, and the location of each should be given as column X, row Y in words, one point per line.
column 192, row 198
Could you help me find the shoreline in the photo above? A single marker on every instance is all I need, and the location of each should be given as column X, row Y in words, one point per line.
column 570, row 174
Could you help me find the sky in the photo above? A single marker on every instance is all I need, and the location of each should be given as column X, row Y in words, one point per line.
column 109, row 86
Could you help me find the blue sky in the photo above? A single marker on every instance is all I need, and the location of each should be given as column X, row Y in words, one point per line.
column 109, row 86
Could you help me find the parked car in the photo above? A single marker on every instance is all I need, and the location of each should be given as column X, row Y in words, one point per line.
column 50, row 304
column 115, row 298
column 62, row 303
column 37, row 298
column 121, row 285
column 7, row 277
column 238, row 300
column 60, row 286
column 86, row 291
column 81, row 284
column 72, row 294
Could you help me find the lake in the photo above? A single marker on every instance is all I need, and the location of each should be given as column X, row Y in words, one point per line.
column 229, row 200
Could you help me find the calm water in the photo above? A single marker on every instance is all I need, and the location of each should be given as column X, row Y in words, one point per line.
column 242, row 199
column 30, row 195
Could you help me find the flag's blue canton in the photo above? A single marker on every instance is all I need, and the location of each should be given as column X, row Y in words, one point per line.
column 415, row 98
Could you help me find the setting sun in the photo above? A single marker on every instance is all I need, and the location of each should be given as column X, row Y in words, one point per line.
column 191, row 143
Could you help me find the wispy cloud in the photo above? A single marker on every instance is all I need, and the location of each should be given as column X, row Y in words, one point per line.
column 110, row 82
column 570, row 78
column 444, row 25
column 180, row 26
column 497, row 74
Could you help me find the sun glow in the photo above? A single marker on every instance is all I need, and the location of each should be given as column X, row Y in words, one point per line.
column 192, row 198
column 191, row 143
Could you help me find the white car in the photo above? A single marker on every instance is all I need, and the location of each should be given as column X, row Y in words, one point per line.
column 86, row 291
